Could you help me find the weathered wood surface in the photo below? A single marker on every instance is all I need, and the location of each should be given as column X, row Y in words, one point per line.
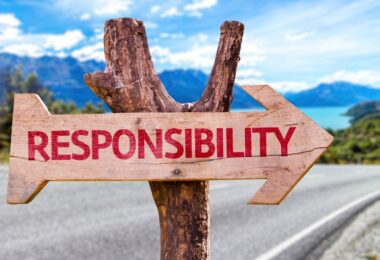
column 129, row 157
column 131, row 84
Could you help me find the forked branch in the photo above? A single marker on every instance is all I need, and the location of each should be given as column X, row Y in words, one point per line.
column 131, row 84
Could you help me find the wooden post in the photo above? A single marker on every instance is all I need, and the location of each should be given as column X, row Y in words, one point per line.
column 131, row 84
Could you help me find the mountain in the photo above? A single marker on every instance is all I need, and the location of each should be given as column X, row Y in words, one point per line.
column 188, row 85
column 334, row 94
column 364, row 110
column 64, row 76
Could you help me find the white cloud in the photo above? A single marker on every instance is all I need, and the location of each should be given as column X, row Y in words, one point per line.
column 295, row 37
column 61, row 54
column 283, row 44
column 301, row 40
column 364, row 77
column 9, row 20
column 8, row 33
column 14, row 40
column 150, row 25
column 172, row 11
column 293, row 44
column 249, row 76
column 63, row 41
column 251, row 54
column 172, row 35
column 164, row 35
column 85, row 16
column 249, row 72
column 289, row 86
column 95, row 51
column 111, row 7
column 9, row 27
column 193, row 9
column 159, row 52
column 197, row 5
column 24, row 49
column 94, row 7
column 197, row 53
column 97, row 36
column 199, row 57
column 155, row 9
column 199, row 38
column 48, row 43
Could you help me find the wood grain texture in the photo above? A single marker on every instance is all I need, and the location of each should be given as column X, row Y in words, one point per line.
column 179, row 186
column 282, row 169
column 131, row 84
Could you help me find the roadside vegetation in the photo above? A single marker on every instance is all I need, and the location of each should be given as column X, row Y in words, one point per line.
column 13, row 81
column 359, row 143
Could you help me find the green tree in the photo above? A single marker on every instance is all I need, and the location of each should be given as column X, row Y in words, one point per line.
column 12, row 82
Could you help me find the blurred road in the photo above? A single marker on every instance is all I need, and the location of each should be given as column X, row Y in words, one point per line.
column 100, row 220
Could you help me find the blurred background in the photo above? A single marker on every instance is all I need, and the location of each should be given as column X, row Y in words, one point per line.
column 322, row 55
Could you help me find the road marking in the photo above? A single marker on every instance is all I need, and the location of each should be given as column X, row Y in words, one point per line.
column 294, row 239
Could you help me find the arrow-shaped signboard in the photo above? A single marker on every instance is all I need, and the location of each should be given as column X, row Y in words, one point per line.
column 279, row 145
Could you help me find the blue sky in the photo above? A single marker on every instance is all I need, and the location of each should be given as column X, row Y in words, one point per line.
column 292, row 45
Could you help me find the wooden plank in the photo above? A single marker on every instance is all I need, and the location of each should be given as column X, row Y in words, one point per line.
column 279, row 145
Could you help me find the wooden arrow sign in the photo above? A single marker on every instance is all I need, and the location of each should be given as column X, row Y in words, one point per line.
column 279, row 145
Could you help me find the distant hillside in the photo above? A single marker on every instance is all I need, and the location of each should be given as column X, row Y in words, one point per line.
column 334, row 94
column 364, row 110
column 64, row 76
column 359, row 143
column 188, row 85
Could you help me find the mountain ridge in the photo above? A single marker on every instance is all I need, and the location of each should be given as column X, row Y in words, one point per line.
column 338, row 93
column 64, row 77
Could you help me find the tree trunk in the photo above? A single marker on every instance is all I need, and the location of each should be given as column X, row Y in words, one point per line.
column 131, row 84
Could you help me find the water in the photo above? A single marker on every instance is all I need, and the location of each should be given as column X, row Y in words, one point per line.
column 327, row 117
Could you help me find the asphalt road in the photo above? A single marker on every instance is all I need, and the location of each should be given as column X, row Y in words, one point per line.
column 100, row 220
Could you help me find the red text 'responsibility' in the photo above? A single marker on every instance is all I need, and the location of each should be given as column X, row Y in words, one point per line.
column 173, row 143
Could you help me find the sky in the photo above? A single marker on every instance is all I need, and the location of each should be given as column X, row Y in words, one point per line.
column 292, row 45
